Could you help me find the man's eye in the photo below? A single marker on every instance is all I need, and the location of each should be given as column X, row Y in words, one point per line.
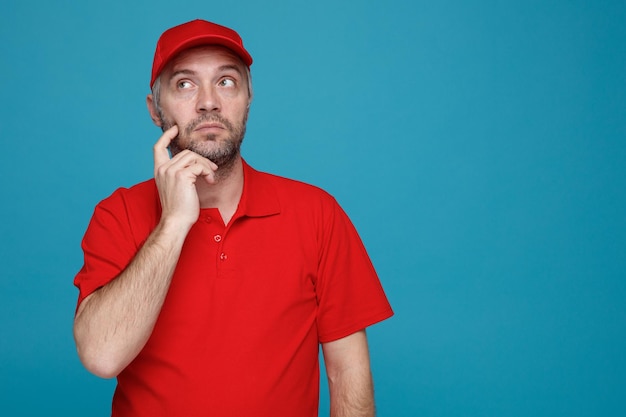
column 227, row 82
column 184, row 84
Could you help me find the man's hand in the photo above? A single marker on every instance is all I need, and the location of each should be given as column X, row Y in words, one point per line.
column 176, row 179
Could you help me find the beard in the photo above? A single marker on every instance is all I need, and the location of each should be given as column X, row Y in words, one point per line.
column 224, row 154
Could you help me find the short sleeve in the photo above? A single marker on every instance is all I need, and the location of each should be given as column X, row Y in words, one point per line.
column 108, row 246
column 350, row 295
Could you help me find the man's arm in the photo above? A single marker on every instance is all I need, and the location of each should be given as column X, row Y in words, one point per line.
column 114, row 323
column 349, row 376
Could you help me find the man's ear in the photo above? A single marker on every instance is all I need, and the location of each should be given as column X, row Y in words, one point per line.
column 154, row 114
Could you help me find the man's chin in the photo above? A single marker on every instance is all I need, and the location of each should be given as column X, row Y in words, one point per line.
column 200, row 145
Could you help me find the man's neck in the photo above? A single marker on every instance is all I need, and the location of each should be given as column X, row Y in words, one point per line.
column 225, row 193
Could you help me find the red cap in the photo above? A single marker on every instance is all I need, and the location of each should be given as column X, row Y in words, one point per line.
column 195, row 33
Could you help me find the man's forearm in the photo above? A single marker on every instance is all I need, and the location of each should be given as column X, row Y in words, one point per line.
column 352, row 394
column 113, row 324
column 349, row 376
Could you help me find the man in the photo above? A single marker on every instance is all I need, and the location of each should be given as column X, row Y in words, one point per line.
column 207, row 290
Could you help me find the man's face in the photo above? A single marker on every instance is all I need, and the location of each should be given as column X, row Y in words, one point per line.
column 204, row 91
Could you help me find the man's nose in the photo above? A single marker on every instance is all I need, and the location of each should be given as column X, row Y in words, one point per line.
column 208, row 100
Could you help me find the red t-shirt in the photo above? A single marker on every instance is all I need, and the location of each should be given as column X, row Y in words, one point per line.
column 248, row 305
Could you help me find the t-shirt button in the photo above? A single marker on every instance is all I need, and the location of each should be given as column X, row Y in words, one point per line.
column 217, row 238
column 223, row 257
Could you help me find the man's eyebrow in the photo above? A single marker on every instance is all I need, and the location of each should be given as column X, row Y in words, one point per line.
column 222, row 69
column 231, row 67
column 182, row 72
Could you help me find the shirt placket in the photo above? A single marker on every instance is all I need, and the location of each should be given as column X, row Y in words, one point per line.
column 216, row 233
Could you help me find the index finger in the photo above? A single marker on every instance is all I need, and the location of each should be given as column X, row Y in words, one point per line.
column 161, row 154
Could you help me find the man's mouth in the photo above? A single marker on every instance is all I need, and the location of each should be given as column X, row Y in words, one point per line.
column 209, row 126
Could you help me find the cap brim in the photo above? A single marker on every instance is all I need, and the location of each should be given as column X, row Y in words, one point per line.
column 199, row 41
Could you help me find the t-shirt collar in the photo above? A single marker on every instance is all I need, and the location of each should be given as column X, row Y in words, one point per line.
column 258, row 198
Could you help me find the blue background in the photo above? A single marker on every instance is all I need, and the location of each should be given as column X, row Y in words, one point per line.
column 479, row 147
